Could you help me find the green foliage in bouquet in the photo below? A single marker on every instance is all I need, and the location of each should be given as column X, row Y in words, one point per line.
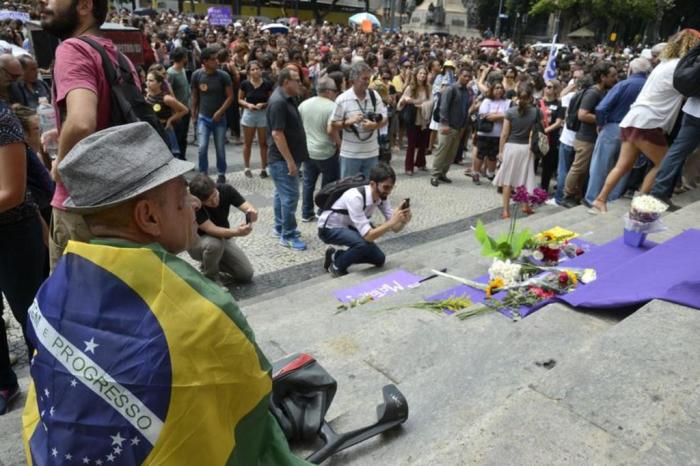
column 507, row 246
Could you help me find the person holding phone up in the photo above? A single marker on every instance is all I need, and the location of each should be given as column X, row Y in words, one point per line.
column 216, row 249
column 347, row 222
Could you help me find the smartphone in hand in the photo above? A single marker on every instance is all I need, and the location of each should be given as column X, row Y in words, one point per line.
column 405, row 204
column 248, row 218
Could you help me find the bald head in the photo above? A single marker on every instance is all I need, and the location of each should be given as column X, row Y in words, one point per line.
column 11, row 72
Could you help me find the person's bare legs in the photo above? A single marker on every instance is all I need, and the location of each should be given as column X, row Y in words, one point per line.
column 262, row 142
column 628, row 155
column 656, row 154
column 248, row 135
column 506, row 201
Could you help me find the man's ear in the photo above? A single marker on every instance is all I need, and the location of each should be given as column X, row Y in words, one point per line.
column 148, row 217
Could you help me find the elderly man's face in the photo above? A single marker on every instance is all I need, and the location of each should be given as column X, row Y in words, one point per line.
column 177, row 219
column 30, row 71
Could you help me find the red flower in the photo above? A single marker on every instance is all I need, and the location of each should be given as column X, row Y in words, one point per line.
column 540, row 293
column 579, row 251
column 549, row 255
column 563, row 278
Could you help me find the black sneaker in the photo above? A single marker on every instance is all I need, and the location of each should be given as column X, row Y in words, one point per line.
column 263, row 173
column 313, row 218
column 444, row 179
column 328, row 261
column 434, row 181
column 476, row 179
column 568, row 202
column 6, row 397
column 221, row 179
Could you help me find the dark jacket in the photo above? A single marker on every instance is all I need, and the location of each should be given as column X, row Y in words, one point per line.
column 454, row 106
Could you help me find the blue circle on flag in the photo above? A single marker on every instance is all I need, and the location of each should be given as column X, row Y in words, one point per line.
column 103, row 376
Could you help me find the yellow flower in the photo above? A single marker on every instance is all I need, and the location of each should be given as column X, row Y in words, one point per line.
column 572, row 277
column 495, row 284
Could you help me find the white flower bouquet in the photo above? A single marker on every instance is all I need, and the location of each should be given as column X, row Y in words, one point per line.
column 643, row 218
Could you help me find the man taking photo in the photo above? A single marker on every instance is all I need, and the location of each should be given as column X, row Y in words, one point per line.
column 347, row 222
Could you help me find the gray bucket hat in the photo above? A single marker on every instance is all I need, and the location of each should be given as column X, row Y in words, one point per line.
column 115, row 165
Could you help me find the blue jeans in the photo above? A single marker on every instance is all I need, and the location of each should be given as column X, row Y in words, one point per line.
column 351, row 167
column 286, row 199
column 566, row 158
column 672, row 165
column 205, row 127
column 329, row 170
column 605, row 155
column 172, row 142
column 359, row 250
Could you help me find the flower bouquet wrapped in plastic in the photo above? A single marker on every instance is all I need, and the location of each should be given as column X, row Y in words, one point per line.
column 643, row 218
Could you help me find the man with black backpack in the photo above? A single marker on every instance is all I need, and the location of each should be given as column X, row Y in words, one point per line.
column 582, row 109
column 82, row 95
column 345, row 220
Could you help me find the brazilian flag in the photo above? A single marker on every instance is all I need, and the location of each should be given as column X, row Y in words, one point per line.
column 141, row 360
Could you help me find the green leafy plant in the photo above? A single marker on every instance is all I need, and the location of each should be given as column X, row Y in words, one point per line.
column 507, row 246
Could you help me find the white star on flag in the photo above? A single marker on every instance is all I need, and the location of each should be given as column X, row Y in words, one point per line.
column 47, row 392
column 73, row 383
column 69, row 456
column 117, row 450
column 86, row 460
column 98, row 462
column 117, row 439
column 90, row 345
column 135, row 441
column 42, row 412
column 51, row 411
column 54, row 452
column 110, row 457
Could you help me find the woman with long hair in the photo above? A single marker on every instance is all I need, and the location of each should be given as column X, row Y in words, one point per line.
column 650, row 118
column 552, row 114
column 417, row 94
column 492, row 110
column 510, row 81
column 167, row 108
column 517, row 165
column 253, row 96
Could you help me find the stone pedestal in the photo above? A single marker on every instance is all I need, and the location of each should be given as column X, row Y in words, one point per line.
column 456, row 20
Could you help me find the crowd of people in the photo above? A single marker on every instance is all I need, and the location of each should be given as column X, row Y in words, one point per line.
column 324, row 101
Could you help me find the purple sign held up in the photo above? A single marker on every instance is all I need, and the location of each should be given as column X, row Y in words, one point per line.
column 391, row 283
column 219, row 15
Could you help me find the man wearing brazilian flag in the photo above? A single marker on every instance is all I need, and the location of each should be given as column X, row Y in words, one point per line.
column 140, row 359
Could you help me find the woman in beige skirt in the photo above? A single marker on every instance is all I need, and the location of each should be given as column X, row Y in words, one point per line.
column 517, row 163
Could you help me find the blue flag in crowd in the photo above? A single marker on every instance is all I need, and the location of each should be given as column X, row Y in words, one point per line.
column 551, row 71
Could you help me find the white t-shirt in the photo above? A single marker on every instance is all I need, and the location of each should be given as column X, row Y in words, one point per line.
column 658, row 103
column 358, row 214
column 567, row 136
column 348, row 105
column 493, row 106
column 692, row 107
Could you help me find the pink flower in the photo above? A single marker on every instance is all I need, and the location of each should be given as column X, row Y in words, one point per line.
column 541, row 293
column 563, row 278
column 520, row 195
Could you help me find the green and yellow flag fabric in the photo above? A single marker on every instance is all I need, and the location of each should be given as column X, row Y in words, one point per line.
column 141, row 360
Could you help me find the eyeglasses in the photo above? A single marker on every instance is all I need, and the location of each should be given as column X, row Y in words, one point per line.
column 549, row 86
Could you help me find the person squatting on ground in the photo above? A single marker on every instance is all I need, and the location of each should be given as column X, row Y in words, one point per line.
column 347, row 223
column 216, row 249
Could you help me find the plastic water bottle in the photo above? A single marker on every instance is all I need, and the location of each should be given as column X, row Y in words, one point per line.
column 47, row 121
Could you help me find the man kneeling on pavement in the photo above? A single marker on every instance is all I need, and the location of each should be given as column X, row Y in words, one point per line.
column 216, row 248
column 139, row 358
column 347, row 223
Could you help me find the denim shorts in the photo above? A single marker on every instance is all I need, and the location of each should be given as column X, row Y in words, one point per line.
column 254, row 119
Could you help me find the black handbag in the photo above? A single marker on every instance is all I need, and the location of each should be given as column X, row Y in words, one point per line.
column 483, row 125
column 408, row 114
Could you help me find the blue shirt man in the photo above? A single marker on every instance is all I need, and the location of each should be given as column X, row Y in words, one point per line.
column 609, row 113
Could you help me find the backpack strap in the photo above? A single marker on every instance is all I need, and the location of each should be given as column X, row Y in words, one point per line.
column 107, row 66
column 345, row 211
column 373, row 98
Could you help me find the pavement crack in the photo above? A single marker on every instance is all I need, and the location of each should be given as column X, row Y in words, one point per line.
column 381, row 371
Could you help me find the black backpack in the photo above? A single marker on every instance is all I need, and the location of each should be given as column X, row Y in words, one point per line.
column 572, row 121
column 686, row 77
column 328, row 194
column 128, row 103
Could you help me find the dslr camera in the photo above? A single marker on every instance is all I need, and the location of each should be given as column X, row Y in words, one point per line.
column 374, row 117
